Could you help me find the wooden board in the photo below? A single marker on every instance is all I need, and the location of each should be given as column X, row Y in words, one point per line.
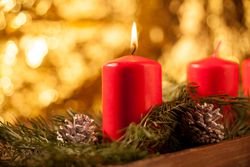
column 231, row 153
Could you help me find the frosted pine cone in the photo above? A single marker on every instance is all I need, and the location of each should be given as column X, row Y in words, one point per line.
column 81, row 129
column 203, row 126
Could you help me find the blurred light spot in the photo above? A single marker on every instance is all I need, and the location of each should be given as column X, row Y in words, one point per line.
column 28, row 3
column 70, row 74
column 6, row 71
column 42, row 7
column 17, row 8
column 7, row 85
column 1, row 119
column 192, row 14
column 246, row 4
column 174, row 6
column 48, row 96
column 11, row 51
column 19, row 20
column 7, row 4
column 214, row 22
column 35, row 50
column 1, row 99
column 79, row 9
column 2, row 21
column 216, row 6
column 73, row 70
column 156, row 35
column 115, row 36
column 53, row 42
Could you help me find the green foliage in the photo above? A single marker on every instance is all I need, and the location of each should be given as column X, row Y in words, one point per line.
column 35, row 143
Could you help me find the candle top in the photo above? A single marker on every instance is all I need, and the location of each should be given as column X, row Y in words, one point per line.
column 213, row 62
column 131, row 59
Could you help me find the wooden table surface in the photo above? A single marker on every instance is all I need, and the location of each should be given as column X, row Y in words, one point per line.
column 232, row 153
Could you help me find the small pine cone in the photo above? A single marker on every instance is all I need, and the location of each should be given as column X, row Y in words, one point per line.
column 81, row 129
column 204, row 125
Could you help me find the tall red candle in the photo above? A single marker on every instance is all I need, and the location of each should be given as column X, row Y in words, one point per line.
column 246, row 77
column 131, row 85
column 214, row 76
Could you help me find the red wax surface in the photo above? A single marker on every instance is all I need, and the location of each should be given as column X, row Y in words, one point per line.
column 214, row 76
column 246, row 76
column 131, row 85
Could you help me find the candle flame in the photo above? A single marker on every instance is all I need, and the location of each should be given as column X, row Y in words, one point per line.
column 134, row 40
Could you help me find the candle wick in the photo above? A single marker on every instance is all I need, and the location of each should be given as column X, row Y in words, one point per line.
column 216, row 50
column 134, row 49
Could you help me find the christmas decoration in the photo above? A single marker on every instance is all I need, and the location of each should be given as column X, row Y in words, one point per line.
column 81, row 129
column 204, row 125
column 37, row 144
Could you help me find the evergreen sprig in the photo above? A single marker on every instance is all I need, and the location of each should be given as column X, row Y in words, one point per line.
column 35, row 143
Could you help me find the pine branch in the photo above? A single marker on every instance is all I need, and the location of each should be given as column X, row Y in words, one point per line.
column 35, row 143
column 37, row 131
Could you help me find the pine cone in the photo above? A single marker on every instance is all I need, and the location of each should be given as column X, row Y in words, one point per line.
column 203, row 126
column 81, row 129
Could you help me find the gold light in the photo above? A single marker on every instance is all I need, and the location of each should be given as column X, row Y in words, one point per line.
column 134, row 40
column 11, row 51
column 7, row 86
column 48, row 96
column 2, row 20
column 46, row 57
column 156, row 34
column 7, row 4
column 42, row 7
column 35, row 51
column 19, row 20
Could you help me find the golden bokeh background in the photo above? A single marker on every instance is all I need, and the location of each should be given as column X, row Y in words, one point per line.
column 52, row 51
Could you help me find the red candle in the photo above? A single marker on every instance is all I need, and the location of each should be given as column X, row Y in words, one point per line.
column 214, row 76
column 246, row 77
column 131, row 85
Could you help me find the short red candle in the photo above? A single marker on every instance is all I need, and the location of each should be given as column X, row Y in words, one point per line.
column 214, row 76
column 246, row 77
column 131, row 85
